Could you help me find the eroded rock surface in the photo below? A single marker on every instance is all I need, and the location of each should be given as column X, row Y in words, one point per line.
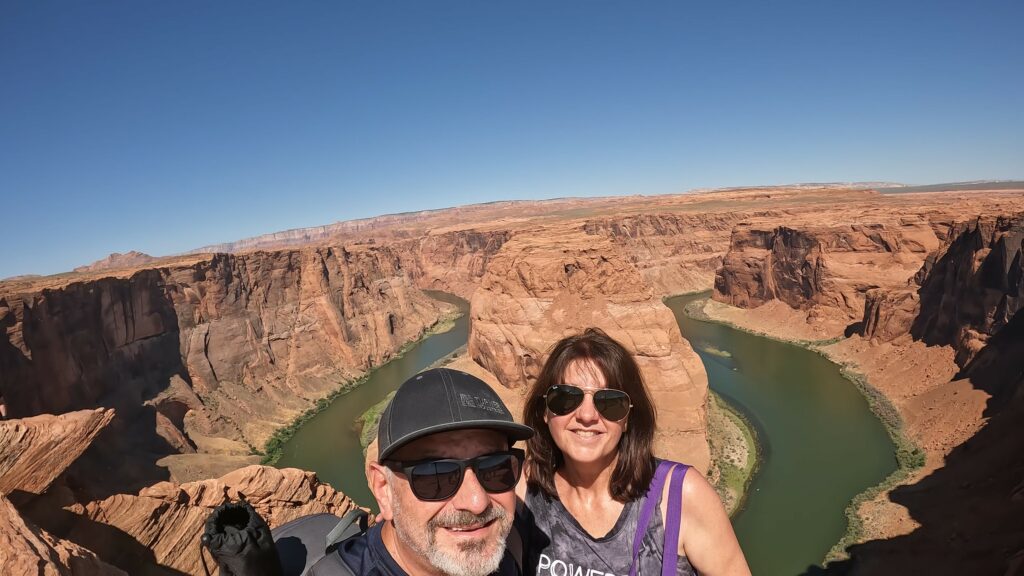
column 118, row 260
column 675, row 253
column 209, row 349
column 34, row 451
column 161, row 526
column 542, row 287
column 825, row 270
column 27, row 549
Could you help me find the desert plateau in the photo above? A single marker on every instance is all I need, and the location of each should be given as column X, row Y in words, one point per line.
column 143, row 391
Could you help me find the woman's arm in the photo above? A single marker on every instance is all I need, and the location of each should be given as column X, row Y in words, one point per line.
column 706, row 536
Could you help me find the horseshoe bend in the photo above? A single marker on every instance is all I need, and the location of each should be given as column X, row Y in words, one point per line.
column 142, row 392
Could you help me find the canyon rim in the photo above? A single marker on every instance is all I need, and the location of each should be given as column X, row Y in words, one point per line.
column 170, row 374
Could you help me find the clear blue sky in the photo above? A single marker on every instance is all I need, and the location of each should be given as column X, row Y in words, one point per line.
column 165, row 126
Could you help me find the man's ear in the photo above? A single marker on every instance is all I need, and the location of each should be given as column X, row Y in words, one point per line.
column 379, row 487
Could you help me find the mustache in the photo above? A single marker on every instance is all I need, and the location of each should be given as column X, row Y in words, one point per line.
column 465, row 519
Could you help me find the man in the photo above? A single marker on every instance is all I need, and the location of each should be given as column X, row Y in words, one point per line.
column 444, row 480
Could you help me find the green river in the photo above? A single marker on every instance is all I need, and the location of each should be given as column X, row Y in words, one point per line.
column 820, row 444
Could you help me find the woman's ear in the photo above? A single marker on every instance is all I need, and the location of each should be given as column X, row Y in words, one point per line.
column 379, row 478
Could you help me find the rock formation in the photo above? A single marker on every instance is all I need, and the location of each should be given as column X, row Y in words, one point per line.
column 34, row 451
column 945, row 345
column 973, row 287
column 160, row 527
column 27, row 549
column 676, row 253
column 453, row 260
column 547, row 285
column 213, row 353
column 116, row 260
column 825, row 270
column 889, row 314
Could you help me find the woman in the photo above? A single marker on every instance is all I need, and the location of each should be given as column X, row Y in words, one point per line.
column 590, row 465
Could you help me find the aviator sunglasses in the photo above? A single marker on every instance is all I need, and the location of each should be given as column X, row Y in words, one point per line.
column 612, row 404
column 440, row 479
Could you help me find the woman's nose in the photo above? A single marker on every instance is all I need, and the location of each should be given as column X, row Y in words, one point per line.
column 587, row 412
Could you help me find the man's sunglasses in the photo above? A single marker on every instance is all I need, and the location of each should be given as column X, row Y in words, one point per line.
column 440, row 479
column 612, row 404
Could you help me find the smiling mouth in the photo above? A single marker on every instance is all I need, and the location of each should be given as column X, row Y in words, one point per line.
column 472, row 528
column 587, row 433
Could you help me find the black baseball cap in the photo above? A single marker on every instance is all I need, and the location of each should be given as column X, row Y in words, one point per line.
column 439, row 400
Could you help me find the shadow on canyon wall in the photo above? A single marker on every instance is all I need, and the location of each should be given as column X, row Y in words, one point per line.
column 111, row 343
column 970, row 510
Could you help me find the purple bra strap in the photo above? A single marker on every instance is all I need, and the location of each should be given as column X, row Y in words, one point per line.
column 650, row 503
column 670, row 554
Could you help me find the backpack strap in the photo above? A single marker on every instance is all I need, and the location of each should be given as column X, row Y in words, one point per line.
column 670, row 552
column 351, row 524
column 647, row 512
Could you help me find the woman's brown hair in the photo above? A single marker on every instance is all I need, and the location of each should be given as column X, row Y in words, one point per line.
column 635, row 465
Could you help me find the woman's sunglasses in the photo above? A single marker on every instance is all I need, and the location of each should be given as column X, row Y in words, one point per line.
column 612, row 404
column 440, row 479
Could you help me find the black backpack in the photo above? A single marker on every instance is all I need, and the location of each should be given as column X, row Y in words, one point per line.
column 243, row 545
column 306, row 544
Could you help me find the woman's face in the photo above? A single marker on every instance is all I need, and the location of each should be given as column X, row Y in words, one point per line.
column 583, row 435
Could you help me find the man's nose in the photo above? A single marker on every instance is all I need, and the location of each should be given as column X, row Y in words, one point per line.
column 471, row 496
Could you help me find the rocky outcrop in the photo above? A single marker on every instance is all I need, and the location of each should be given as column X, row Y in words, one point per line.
column 27, row 549
column 966, row 508
column 826, row 270
column 160, row 527
column 116, row 260
column 889, row 314
column 34, row 451
column 222, row 347
column 675, row 253
column 544, row 286
column 453, row 260
column 973, row 287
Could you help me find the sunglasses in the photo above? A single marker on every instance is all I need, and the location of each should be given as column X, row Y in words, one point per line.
column 440, row 479
column 612, row 404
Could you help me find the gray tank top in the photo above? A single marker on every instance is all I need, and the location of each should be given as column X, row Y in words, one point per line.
column 558, row 546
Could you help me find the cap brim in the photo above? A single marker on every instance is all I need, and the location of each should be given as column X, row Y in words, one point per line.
column 513, row 430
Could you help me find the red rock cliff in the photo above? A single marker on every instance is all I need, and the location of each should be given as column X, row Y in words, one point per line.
column 223, row 346
column 452, row 260
column 675, row 253
column 827, row 270
column 546, row 285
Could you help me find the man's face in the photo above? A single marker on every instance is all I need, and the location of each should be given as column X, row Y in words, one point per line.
column 463, row 535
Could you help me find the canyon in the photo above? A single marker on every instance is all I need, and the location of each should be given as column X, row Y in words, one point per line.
column 942, row 343
column 189, row 363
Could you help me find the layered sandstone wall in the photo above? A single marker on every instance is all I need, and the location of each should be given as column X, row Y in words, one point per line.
column 827, row 271
column 542, row 287
column 159, row 527
column 156, row 531
column 35, row 451
column 452, row 260
column 225, row 347
column 973, row 287
column 944, row 345
column 27, row 549
column 675, row 253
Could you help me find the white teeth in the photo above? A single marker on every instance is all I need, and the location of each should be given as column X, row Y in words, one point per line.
column 586, row 433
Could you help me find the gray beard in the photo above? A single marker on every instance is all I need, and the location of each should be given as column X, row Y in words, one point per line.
column 472, row 558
